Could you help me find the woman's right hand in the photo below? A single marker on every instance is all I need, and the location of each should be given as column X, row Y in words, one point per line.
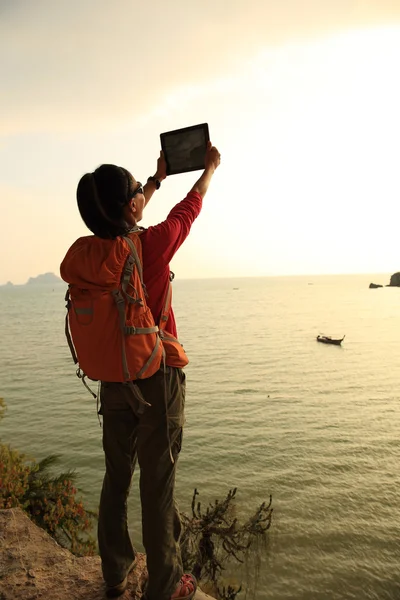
column 213, row 158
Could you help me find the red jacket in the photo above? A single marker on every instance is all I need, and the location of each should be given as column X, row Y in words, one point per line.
column 159, row 245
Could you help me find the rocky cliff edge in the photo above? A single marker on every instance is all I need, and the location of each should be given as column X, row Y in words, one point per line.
column 33, row 566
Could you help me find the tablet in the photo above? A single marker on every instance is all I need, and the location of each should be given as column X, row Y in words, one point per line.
column 185, row 149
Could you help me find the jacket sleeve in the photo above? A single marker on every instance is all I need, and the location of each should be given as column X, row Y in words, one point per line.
column 164, row 239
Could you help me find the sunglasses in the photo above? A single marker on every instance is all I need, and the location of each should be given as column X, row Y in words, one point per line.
column 138, row 190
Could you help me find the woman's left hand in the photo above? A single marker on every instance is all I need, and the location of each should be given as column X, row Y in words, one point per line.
column 161, row 172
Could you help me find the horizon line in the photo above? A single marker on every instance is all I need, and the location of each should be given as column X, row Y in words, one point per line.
column 212, row 277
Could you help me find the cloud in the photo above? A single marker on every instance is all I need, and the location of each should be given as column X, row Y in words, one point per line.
column 69, row 66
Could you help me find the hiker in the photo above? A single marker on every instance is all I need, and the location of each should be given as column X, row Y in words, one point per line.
column 142, row 417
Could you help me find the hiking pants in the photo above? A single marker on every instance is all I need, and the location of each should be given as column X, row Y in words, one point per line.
column 133, row 431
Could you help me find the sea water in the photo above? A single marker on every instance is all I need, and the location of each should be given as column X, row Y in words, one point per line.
column 269, row 411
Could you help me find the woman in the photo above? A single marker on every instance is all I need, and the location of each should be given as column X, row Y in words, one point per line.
column 142, row 421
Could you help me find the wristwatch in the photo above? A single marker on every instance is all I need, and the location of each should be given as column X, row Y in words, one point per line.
column 156, row 181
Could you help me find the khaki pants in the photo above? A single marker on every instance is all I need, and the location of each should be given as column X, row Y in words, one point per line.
column 131, row 432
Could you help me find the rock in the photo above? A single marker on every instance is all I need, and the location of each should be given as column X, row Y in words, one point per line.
column 395, row 280
column 373, row 286
column 33, row 565
column 48, row 278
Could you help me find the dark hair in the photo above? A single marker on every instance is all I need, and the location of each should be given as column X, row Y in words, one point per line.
column 101, row 197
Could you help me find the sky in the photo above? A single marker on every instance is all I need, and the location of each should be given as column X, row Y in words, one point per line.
column 301, row 97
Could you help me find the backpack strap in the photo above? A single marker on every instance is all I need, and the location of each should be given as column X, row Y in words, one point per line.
column 128, row 270
column 166, row 308
column 67, row 331
column 125, row 330
column 120, row 302
column 151, row 357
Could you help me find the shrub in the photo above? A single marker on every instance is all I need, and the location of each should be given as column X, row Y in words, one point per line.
column 213, row 538
column 50, row 501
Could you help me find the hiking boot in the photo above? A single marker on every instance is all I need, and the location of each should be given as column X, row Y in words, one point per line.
column 186, row 588
column 113, row 591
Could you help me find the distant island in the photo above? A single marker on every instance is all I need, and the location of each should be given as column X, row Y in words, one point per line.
column 43, row 278
column 394, row 282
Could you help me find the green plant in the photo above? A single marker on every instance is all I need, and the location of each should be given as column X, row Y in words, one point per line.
column 50, row 500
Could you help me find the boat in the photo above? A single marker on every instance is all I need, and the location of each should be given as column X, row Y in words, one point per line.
column 327, row 339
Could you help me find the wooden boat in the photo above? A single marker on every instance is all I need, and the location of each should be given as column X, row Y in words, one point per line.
column 326, row 339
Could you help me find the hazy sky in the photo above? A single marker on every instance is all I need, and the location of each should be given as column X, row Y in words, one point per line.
column 302, row 98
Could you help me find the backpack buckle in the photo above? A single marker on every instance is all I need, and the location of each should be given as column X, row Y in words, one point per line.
column 118, row 297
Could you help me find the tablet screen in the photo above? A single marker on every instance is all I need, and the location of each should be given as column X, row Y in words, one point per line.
column 185, row 149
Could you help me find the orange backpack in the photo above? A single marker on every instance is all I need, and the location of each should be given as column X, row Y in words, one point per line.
column 109, row 327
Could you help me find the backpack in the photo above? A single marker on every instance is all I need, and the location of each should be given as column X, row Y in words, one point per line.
column 109, row 327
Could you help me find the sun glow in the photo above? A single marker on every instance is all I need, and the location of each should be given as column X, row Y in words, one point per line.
column 309, row 134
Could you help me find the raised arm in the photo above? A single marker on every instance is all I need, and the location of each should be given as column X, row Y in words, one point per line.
column 160, row 242
column 161, row 173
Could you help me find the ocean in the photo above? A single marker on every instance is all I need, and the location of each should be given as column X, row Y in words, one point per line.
column 269, row 411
